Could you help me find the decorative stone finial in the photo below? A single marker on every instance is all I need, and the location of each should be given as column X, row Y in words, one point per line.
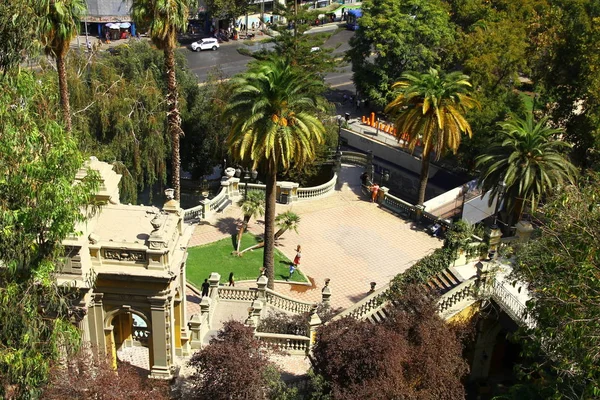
column 170, row 193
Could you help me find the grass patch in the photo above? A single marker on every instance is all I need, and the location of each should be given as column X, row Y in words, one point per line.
column 217, row 257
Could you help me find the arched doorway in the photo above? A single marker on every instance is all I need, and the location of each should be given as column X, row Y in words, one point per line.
column 129, row 338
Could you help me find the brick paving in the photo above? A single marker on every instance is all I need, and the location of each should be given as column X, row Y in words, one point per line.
column 344, row 238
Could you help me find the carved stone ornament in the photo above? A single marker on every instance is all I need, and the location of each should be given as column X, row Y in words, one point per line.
column 157, row 245
column 125, row 255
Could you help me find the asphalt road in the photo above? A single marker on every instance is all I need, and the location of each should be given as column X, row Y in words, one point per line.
column 230, row 62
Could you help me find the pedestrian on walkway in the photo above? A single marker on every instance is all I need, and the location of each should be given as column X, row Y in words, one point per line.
column 292, row 269
column 298, row 256
column 374, row 191
column 205, row 287
column 357, row 103
column 231, row 281
column 345, row 99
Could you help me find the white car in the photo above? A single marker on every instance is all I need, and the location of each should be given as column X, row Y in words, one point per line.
column 205, row 44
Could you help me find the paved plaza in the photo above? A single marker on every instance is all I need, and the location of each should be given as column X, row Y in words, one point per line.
column 344, row 237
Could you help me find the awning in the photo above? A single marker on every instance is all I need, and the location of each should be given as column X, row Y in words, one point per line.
column 110, row 25
column 124, row 25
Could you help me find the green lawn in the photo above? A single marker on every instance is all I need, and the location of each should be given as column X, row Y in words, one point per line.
column 217, row 257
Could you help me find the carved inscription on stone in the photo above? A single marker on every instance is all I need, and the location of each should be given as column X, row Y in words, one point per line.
column 124, row 255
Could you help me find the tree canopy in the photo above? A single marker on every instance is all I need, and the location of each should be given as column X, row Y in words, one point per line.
column 561, row 269
column 39, row 207
column 397, row 36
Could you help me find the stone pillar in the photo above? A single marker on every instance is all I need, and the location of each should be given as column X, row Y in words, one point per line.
column 261, row 283
column 495, row 235
column 383, row 191
column 185, row 334
column 97, row 322
column 326, row 293
column 313, row 323
column 213, row 292
column 232, row 185
column 524, row 231
column 205, row 310
column 419, row 209
column 160, row 341
column 206, row 212
column 195, row 325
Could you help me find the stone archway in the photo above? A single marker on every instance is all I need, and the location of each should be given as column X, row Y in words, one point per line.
column 129, row 337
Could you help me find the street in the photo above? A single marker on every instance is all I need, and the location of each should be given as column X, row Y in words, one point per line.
column 230, row 62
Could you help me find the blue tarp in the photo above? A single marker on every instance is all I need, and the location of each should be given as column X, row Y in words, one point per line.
column 355, row 13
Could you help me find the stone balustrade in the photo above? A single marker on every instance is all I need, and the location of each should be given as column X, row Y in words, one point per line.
column 352, row 157
column 292, row 344
column 467, row 290
column 317, row 191
column 237, row 294
column 219, row 200
column 367, row 306
column 285, row 303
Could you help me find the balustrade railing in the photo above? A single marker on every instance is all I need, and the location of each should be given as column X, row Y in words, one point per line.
column 194, row 213
column 286, row 303
column 465, row 290
column 141, row 334
column 251, row 187
column 293, row 344
column 511, row 304
column 351, row 157
column 366, row 306
column 237, row 294
column 217, row 202
column 317, row 191
column 398, row 205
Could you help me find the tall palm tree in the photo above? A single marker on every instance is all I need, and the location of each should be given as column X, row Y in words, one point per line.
column 252, row 205
column 430, row 109
column 164, row 18
column 285, row 221
column 273, row 124
column 58, row 24
column 529, row 159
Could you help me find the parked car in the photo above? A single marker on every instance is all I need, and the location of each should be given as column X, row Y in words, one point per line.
column 205, row 44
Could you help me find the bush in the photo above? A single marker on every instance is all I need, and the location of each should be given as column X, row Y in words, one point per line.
column 297, row 324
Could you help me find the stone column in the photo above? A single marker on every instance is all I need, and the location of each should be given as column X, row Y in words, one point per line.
column 206, row 212
column 313, row 324
column 419, row 209
column 97, row 322
column 326, row 293
column 185, row 336
column 195, row 324
column 160, row 343
column 261, row 283
column 383, row 191
column 495, row 235
column 213, row 292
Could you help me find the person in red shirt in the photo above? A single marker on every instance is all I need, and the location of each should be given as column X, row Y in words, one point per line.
column 374, row 191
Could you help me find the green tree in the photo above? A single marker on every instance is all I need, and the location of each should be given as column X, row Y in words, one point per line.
column 272, row 109
column 227, row 9
column 430, row 108
column 565, row 59
column 285, row 221
column 18, row 23
column 39, row 207
column 58, row 24
column 397, row 36
column 252, row 205
column 164, row 18
column 561, row 268
column 528, row 159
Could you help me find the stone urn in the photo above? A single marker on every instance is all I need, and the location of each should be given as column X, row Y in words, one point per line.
column 229, row 172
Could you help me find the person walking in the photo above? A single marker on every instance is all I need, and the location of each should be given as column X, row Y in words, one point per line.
column 205, row 287
column 231, row 281
column 292, row 270
column 374, row 191
column 298, row 256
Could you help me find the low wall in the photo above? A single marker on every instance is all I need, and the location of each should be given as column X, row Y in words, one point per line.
column 386, row 151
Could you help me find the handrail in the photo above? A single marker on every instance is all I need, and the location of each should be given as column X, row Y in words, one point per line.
column 193, row 213
column 287, row 303
column 217, row 201
column 252, row 186
column 280, row 335
column 457, row 294
column 325, row 188
column 237, row 294
column 397, row 204
column 289, row 343
column 366, row 305
column 511, row 304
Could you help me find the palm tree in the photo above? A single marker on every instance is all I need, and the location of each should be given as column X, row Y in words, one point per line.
column 273, row 124
column 164, row 18
column 430, row 109
column 529, row 160
column 285, row 221
column 252, row 205
column 58, row 24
